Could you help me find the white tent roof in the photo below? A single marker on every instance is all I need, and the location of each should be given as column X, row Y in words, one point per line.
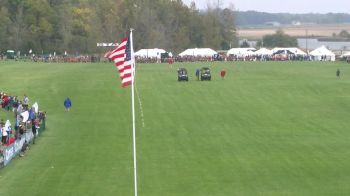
column 322, row 51
column 346, row 54
column 295, row 51
column 241, row 51
column 263, row 51
column 149, row 52
column 198, row 52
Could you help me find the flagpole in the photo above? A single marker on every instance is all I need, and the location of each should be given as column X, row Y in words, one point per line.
column 133, row 73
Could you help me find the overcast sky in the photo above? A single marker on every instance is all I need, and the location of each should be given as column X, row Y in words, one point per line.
column 278, row 6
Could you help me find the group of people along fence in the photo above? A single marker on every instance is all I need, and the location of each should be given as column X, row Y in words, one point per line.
column 26, row 119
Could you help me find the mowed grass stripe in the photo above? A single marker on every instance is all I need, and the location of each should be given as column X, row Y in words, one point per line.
column 269, row 128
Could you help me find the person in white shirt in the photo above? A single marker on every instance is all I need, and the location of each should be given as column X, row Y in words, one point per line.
column 4, row 134
column 19, row 108
column 25, row 100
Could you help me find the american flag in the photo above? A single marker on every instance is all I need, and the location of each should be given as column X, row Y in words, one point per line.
column 123, row 60
column 107, row 54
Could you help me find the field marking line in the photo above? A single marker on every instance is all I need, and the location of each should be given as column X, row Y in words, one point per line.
column 141, row 108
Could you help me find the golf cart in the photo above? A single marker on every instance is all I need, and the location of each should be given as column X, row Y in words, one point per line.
column 182, row 74
column 205, row 74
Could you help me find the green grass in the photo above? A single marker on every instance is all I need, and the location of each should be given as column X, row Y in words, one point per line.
column 269, row 128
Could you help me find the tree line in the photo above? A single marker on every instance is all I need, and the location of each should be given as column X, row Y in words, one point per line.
column 75, row 26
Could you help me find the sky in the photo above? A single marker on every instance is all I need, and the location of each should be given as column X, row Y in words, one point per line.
column 280, row 6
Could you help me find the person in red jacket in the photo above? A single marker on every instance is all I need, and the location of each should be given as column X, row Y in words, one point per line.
column 5, row 101
column 223, row 73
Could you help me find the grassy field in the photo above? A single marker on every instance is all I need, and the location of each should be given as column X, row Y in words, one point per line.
column 296, row 31
column 269, row 128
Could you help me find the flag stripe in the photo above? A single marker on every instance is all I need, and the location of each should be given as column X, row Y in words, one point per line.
column 123, row 60
column 116, row 54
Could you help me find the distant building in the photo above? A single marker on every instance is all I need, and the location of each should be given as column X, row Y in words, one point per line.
column 273, row 23
column 296, row 23
column 313, row 43
column 251, row 43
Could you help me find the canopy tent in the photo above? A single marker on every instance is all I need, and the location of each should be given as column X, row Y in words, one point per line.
column 322, row 53
column 241, row 51
column 205, row 52
column 347, row 54
column 151, row 53
column 295, row 51
column 283, row 51
column 263, row 51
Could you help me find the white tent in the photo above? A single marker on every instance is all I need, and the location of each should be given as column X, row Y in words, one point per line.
column 347, row 54
column 205, row 52
column 322, row 53
column 152, row 53
column 241, row 51
column 263, row 51
column 295, row 51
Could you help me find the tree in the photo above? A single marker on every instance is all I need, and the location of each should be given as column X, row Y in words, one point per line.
column 38, row 22
column 77, row 25
column 4, row 24
column 244, row 44
column 228, row 29
column 279, row 39
column 344, row 34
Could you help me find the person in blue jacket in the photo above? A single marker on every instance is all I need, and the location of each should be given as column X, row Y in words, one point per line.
column 67, row 104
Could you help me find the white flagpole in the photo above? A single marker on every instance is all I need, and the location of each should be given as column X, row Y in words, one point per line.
column 133, row 73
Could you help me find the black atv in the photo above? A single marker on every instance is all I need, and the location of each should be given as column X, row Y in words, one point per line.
column 205, row 74
column 182, row 75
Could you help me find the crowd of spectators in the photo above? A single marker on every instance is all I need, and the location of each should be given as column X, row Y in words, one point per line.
column 139, row 59
column 274, row 57
column 27, row 119
column 224, row 57
column 56, row 58
column 190, row 58
column 66, row 59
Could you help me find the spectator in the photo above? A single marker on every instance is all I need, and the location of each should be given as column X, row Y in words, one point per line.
column 338, row 73
column 23, row 149
column 17, row 123
column 34, row 130
column 32, row 115
column 21, row 130
column 197, row 73
column 3, row 133
column 223, row 73
column 14, row 104
column 20, row 107
column 67, row 104
column 25, row 99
